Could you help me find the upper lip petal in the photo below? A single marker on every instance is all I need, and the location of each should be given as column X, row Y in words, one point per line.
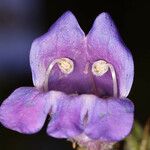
column 104, row 43
column 64, row 39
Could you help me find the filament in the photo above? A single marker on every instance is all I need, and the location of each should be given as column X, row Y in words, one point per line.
column 100, row 67
column 114, row 79
column 65, row 65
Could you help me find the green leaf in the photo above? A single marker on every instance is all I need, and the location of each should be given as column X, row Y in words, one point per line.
column 139, row 139
column 146, row 137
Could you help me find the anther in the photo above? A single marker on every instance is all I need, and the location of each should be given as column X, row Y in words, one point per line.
column 100, row 67
column 66, row 66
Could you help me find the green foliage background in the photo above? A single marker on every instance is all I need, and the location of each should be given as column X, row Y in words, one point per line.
column 139, row 139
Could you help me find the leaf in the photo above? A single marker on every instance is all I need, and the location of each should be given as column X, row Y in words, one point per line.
column 132, row 142
column 145, row 143
column 139, row 139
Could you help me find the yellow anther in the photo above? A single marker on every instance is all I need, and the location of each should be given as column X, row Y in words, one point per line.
column 100, row 67
column 66, row 65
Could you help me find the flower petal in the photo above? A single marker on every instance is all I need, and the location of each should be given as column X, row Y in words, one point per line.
column 105, row 43
column 25, row 110
column 99, row 119
column 66, row 120
column 110, row 120
column 64, row 39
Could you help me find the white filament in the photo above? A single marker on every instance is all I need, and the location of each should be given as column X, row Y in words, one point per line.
column 100, row 67
column 66, row 66
column 114, row 79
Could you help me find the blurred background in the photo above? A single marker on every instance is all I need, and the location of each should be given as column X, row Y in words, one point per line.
column 21, row 21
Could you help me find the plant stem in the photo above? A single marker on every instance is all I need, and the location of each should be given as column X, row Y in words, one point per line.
column 97, row 146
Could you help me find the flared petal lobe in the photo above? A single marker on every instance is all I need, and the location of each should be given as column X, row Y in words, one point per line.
column 25, row 110
column 110, row 120
column 64, row 39
column 104, row 43
column 106, row 120
column 68, row 119
column 66, row 122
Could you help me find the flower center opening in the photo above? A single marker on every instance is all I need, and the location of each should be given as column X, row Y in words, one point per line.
column 99, row 78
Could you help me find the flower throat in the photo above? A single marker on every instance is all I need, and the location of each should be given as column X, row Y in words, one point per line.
column 98, row 69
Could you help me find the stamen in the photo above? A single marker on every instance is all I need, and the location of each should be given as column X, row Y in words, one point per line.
column 74, row 145
column 100, row 67
column 66, row 66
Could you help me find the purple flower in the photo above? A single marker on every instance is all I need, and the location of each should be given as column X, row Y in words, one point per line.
column 80, row 81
